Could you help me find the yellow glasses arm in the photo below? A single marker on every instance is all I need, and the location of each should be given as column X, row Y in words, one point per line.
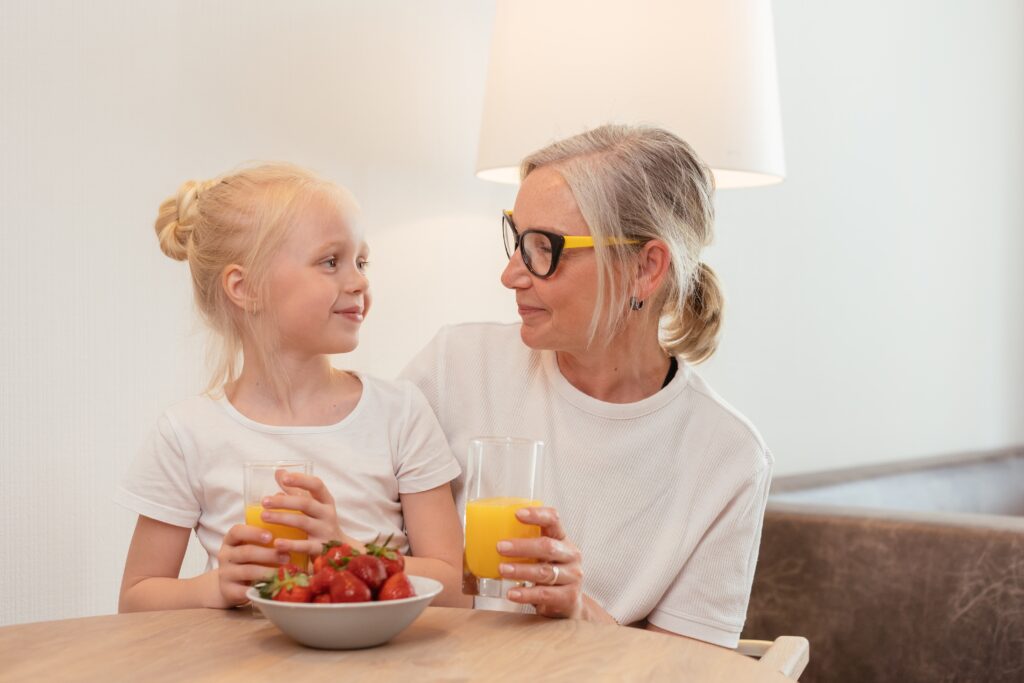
column 579, row 241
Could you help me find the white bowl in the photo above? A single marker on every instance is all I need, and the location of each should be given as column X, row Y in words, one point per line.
column 347, row 625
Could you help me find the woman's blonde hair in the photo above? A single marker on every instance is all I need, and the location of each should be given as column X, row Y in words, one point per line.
column 240, row 218
column 642, row 183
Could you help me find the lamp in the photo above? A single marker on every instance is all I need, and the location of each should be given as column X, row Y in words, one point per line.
column 703, row 69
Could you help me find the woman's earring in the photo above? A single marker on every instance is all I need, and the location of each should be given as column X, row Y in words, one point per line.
column 635, row 304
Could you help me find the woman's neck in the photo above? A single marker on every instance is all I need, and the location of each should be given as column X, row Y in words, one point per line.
column 629, row 368
column 313, row 393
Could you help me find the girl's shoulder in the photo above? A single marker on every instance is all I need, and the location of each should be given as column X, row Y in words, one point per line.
column 388, row 394
column 204, row 407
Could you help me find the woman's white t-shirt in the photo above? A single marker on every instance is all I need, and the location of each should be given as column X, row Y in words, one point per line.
column 664, row 497
column 189, row 473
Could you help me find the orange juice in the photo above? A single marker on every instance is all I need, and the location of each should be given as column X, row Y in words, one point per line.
column 489, row 520
column 252, row 518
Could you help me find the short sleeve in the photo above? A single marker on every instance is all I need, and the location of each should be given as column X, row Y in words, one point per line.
column 157, row 484
column 708, row 599
column 423, row 459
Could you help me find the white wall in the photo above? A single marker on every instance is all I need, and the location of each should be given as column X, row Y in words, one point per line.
column 875, row 298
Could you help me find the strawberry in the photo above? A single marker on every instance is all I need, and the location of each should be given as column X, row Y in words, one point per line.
column 335, row 553
column 369, row 569
column 323, row 597
column 287, row 584
column 296, row 593
column 396, row 587
column 286, row 570
column 347, row 587
column 392, row 558
column 320, row 582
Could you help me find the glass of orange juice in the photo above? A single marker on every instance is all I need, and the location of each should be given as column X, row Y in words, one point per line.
column 502, row 475
column 260, row 482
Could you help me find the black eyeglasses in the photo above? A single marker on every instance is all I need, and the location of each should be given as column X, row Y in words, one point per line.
column 541, row 249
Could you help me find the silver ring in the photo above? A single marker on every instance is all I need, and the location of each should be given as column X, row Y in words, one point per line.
column 554, row 577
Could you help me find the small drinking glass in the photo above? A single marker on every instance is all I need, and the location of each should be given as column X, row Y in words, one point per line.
column 261, row 482
column 503, row 475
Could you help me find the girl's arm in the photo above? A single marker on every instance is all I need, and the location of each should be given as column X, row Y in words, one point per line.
column 435, row 540
column 151, row 580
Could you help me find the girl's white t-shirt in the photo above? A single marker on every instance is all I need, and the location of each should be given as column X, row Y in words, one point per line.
column 190, row 472
column 664, row 497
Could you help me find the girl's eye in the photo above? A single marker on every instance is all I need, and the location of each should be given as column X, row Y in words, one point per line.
column 332, row 262
column 362, row 264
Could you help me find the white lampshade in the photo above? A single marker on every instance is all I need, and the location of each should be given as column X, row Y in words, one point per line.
column 703, row 69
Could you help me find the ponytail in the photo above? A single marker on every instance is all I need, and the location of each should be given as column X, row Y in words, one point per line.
column 691, row 330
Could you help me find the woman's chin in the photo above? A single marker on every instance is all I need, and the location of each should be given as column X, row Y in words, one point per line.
column 534, row 336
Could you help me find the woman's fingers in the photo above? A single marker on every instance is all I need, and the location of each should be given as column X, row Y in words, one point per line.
column 544, row 517
column 550, row 601
column 542, row 574
column 545, row 548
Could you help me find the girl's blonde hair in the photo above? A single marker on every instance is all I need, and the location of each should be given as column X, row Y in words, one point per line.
column 642, row 183
column 239, row 218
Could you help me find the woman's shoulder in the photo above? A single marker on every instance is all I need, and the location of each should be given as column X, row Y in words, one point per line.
column 471, row 335
column 468, row 348
column 733, row 431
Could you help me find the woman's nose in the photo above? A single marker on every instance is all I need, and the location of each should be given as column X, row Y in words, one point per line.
column 515, row 275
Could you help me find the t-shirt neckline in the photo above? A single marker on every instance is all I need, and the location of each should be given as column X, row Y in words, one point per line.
column 248, row 422
column 621, row 411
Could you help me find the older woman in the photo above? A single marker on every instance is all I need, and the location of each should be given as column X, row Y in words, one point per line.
column 656, row 487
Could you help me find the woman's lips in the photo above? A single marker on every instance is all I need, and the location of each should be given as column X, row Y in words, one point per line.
column 527, row 311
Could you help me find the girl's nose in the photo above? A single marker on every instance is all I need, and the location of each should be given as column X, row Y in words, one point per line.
column 357, row 282
column 515, row 275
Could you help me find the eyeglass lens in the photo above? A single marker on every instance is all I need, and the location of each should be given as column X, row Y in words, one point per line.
column 535, row 248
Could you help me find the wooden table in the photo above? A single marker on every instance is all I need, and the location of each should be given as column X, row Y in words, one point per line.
column 444, row 644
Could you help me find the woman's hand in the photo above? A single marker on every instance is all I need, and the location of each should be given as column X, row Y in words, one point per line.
column 243, row 561
column 557, row 573
column 307, row 494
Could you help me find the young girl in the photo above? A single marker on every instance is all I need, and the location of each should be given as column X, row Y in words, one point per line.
column 279, row 274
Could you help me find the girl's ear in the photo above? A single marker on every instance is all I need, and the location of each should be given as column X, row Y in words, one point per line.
column 234, row 284
column 653, row 265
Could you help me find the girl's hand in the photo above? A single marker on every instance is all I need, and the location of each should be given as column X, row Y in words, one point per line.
column 557, row 593
column 307, row 494
column 241, row 562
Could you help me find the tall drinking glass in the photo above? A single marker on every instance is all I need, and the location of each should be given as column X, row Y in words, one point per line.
column 503, row 475
column 260, row 482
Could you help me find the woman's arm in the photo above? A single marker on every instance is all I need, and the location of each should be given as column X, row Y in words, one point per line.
column 435, row 540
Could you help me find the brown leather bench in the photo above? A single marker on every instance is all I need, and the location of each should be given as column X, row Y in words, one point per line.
column 911, row 571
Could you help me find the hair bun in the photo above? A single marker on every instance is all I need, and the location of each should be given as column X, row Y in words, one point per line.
column 176, row 219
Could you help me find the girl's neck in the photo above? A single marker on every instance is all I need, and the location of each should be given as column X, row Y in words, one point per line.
column 313, row 392
column 629, row 368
